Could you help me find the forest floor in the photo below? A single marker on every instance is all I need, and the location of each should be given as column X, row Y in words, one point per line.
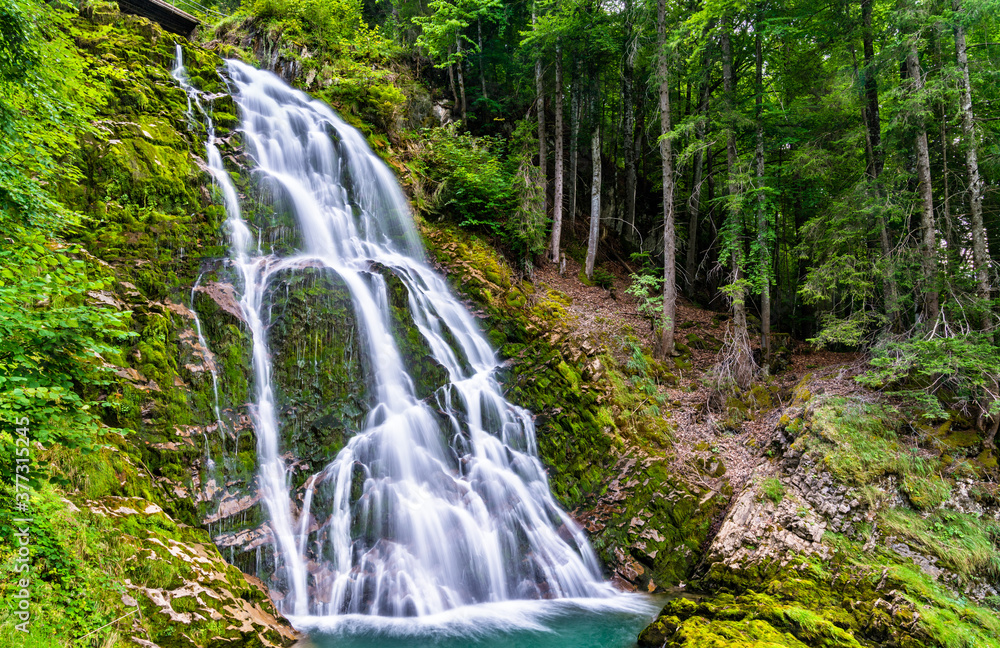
column 610, row 316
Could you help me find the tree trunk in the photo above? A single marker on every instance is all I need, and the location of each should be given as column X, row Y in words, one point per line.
column 980, row 255
column 451, row 81
column 763, row 248
column 557, row 207
column 574, row 148
column 873, row 127
column 595, row 188
column 540, row 108
column 669, row 237
column 949, row 230
column 928, row 242
column 482, row 64
column 694, row 202
column 461, row 78
column 872, row 121
column 741, row 355
column 628, row 121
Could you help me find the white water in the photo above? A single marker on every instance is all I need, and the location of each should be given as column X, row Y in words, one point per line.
column 454, row 507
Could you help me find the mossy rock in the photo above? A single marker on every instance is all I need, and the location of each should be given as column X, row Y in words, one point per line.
column 703, row 341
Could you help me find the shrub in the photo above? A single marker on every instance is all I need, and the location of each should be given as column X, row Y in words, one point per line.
column 962, row 371
column 333, row 21
column 484, row 190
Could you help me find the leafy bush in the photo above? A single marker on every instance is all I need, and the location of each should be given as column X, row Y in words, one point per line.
column 603, row 278
column 482, row 189
column 56, row 349
column 960, row 371
column 333, row 21
column 648, row 291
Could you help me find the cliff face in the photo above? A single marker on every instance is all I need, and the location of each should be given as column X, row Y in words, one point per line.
column 121, row 535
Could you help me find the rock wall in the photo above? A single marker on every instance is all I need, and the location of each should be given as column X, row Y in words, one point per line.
column 825, row 546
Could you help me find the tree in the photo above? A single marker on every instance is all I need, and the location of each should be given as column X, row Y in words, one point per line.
column 630, row 50
column 980, row 256
column 595, row 184
column 557, row 205
column 763, row 245
column 928, row 233
column 666, row 156
column 540, row 111
column 739, row 352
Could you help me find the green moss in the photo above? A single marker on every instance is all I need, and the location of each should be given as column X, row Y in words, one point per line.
column 318, row 368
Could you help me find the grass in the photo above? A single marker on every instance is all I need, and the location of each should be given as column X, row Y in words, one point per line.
column 864, row 443
column 949, row 621
column 925, row 493
column 772, row 489
column 963, row 543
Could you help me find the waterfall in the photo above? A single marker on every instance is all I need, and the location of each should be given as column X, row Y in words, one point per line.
column 435, row 503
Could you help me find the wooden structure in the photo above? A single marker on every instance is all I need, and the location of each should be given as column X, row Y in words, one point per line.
column 166, row 15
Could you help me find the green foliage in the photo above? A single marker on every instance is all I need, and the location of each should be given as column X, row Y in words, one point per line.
column 959, row 371
column 441, row 30
column 603, row 278
column 55, row 345
column 648, row 292
column 330, row 21
column 17, row 55
column 772, row 489
column 967, row 544
column 483, row 188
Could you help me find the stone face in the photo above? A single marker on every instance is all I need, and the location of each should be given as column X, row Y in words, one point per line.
column 775, row 575
column 175, row 578
column 758, row 530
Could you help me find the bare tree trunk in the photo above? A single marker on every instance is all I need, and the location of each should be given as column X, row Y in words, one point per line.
column 694, row 201
column 595, row 188
column 928, row 242
column 628, row 123
column 980, row 255
column 574, row 136
column 451, row 81
column 742, row 357
column 540, row 107
column 461, row 79
column 764, row 268
column 557, row 208
column 949, row 230
column 872, row 120
column 669, row 236
column 873, row 127
column 482, row 64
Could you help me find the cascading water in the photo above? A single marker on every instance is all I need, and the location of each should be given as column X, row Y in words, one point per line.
column 435, row 504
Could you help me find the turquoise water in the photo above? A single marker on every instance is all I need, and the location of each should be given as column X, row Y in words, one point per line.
column 573, row 623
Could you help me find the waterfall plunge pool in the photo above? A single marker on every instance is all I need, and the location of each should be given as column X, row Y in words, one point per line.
column 557, row 623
